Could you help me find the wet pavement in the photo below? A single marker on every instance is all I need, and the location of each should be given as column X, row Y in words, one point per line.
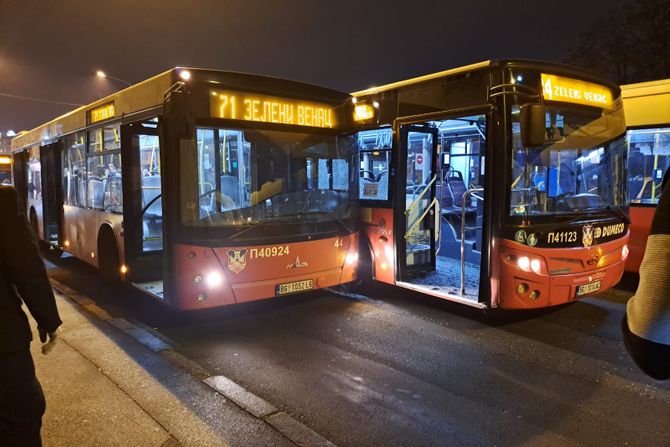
column 402, row 369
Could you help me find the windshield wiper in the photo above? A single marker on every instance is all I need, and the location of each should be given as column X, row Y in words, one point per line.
column 335, row 217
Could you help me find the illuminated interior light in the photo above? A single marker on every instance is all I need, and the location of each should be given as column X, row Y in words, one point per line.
column 624, row 252
column 351, row 258
column 185, row 75
column 197, row 279
column 214, row 279
column 92, row 255
column 524, row 263
column 519, row 78
column 535, row 265
column 5, row 160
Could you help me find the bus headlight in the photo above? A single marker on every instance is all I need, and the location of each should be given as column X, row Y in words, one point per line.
column 214, row 279
column 524, row 263
column 535, row 265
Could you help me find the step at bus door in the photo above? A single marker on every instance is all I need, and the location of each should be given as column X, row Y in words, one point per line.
column 418, row 206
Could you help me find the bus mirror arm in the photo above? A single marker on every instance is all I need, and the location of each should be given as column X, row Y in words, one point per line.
column 533, row 127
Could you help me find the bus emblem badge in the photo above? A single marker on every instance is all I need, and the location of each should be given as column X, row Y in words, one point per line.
column 237, row 260
column 587, row 235
column 520, row 237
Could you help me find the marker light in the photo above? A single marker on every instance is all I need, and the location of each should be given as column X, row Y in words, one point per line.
column 535, row 265
column 185, row 75
column 524, row 263
column 624, row 252
column 354, row 100
column 214, row 279
column 124, row 269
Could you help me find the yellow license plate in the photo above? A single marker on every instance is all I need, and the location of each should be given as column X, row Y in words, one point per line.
column 294, row 287
column 588, row 288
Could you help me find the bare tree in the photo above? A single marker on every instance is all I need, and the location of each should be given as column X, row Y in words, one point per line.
column 630, row 45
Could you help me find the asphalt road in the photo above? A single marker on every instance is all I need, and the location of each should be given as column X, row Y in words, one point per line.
column 400, row 369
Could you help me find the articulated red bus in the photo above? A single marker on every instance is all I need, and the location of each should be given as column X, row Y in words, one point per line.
column 202, row 188
column 647, row 107
column 499, row 184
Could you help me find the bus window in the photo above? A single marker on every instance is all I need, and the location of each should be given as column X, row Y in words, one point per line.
column 567, row 174
column 256, row 175
column 374, row 148
column 648, row 159
column 104, row 170
column 74, row 170
column 152, row 204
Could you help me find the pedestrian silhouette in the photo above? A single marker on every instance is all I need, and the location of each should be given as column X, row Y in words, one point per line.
column 23, row 280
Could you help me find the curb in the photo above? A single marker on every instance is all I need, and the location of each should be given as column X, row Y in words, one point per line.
column 294, row 430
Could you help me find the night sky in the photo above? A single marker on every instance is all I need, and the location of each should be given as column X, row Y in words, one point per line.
column 50, row 49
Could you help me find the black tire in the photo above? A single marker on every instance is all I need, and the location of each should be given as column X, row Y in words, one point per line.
column 109, row 263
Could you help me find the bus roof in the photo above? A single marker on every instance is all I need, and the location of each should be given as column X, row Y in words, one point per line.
column 566, row 70
column 647, row 103
column 149, row 94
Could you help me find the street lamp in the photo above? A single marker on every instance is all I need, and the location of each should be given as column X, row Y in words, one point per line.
column 102, row 74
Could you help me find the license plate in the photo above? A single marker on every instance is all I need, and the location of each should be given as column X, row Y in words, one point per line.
column 588, row 288
column 293, row 287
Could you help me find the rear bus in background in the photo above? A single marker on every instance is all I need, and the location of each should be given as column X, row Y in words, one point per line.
column 202, row 188
column 647, row 108
column 500, row 184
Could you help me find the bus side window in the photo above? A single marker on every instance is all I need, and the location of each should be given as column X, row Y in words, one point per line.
column 374, row 155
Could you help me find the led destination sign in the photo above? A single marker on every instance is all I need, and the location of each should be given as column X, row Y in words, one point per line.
column 101, row 113
column 270, row 109
column 557, row 88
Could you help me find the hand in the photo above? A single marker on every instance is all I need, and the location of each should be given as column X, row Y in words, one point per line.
column 47, row 346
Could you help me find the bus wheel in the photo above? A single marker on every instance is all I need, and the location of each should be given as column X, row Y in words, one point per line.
column 108, row 257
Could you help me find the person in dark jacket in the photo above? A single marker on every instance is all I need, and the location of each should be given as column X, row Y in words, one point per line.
column 23, row 279
column 646, row 327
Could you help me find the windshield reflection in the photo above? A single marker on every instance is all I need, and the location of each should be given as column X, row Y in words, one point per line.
column 243, row 177
column 581, row 167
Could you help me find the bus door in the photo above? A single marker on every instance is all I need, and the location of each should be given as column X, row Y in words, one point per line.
column 52, row 200
column 416, row 195
column 143, row 204
column 443, row 251
column 20, row 176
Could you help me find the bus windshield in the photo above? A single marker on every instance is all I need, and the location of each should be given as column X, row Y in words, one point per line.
column 242, row 177
column 580, row 168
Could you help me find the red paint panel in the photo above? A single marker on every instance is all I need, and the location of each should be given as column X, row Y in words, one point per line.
column 562, row 271
column 640, row 224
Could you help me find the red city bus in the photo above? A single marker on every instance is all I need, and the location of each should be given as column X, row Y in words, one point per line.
column 500, row 184
column 647, row 107
column 201, row 188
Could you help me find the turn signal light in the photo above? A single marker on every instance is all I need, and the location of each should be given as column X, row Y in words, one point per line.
column 624, row 252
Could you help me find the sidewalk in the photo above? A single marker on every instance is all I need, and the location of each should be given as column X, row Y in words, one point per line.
column 105, row 388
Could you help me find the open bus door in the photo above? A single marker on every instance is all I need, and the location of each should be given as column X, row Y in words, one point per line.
column 417, row 208
column 440, row 207
column 143, row 205
column 52, row 200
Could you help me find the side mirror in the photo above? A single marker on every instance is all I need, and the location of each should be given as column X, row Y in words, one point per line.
column 533, row 125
